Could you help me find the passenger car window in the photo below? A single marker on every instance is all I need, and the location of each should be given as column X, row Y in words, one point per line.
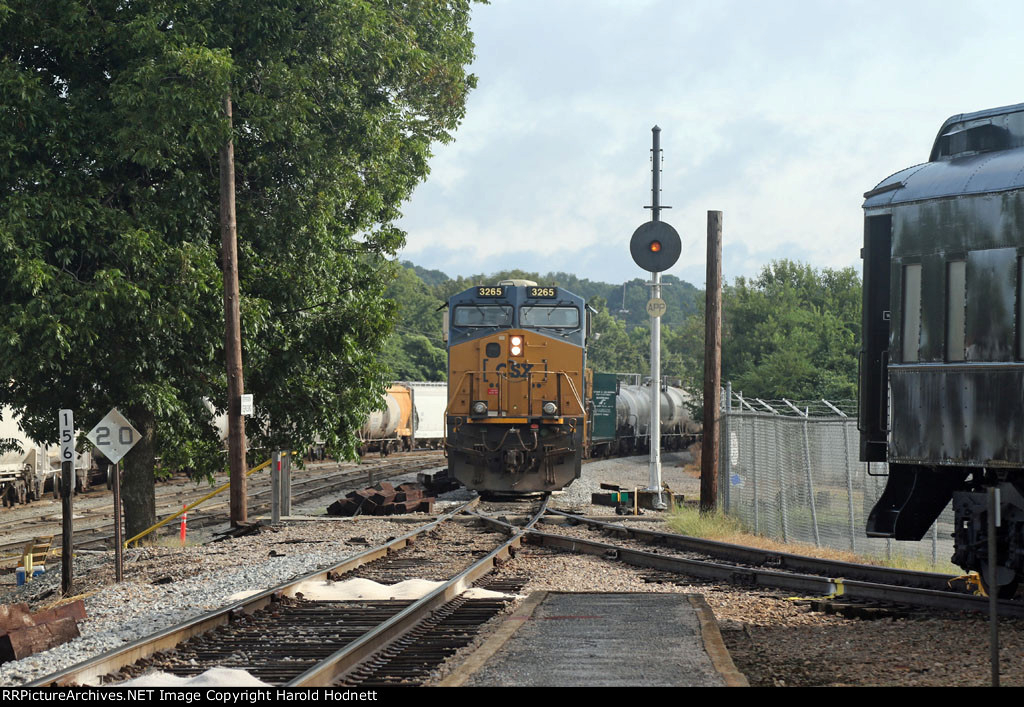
column 956, row 305
column 911, row 312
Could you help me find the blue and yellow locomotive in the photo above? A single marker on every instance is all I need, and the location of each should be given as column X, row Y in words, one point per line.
column 516, row 415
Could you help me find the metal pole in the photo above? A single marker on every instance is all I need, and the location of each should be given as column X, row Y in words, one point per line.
column 727, row 444
column 67, row 544
column 232, row 328
column 118, row 549
column 849, row 484
column 993, row 588
column 275, row 488
column 781, row 479
column 712, row 364
column 655, row 429
column 753, row 473
column 810, row 482
column 286, row 485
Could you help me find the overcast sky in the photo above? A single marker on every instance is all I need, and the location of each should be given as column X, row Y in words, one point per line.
column 780, row 114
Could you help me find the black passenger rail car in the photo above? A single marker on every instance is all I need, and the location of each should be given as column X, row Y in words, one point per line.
column 942, row 368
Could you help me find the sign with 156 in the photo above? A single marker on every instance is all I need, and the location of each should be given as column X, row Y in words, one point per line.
column 114, row 436
column 67, row 436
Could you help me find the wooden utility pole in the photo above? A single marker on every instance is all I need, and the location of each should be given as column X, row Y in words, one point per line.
column 712, row 365
column 232, row 326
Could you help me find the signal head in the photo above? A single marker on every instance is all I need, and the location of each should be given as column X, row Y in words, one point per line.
column 655, row 246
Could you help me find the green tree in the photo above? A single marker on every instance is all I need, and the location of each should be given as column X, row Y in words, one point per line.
column 792, row 332
column 109, row 239
column 611, row 350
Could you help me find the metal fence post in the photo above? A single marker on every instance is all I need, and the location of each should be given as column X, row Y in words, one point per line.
column 782, row 483
column 849, row 483
column 286, row 485
column 810, row 482
column 725, row 471
column 275, row 488
column 753, row 473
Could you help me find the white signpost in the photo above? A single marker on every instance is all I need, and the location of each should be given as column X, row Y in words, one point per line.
column 115, row 436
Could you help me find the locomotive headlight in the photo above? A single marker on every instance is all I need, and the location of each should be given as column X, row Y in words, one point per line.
column 549, row 408
column 516, row 346
column 479, row 408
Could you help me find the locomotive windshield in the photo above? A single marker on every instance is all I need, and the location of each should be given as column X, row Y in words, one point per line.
column 547, row 316
column 473, row 315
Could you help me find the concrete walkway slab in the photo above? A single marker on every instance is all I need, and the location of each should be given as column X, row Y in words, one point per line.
column 604, row 639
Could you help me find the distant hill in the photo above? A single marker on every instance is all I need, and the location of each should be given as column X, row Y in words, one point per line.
column 429, row 277
column 681, row 297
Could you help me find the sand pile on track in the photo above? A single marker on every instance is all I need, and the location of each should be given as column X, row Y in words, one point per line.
column 368, row 590
column 214, row 677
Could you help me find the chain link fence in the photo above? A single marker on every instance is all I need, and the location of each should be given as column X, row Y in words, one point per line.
column 793, row 473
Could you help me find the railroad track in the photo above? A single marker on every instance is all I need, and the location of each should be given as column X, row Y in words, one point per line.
column 837, row 583
column 285, row 638
column 94, row 526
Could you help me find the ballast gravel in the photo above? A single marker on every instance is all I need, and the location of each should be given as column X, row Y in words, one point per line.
column 773, row 640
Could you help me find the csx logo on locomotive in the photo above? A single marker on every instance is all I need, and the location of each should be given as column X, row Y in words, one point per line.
column 515, row 369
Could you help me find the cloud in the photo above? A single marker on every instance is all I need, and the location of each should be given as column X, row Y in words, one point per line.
column 781, row 115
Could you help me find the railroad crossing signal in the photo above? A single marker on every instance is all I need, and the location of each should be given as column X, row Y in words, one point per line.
column 655, row 246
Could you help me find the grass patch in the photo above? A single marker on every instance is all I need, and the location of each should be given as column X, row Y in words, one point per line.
column 688, row 520
column 713, row 526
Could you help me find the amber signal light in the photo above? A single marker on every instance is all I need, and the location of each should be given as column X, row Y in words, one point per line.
column 655, row 246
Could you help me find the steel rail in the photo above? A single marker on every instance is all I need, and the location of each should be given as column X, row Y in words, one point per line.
column 770, row 558
column 89, row 671
column 759, row 577
column 334, row 668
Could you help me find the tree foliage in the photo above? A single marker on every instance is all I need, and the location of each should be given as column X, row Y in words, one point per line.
column 110, row 286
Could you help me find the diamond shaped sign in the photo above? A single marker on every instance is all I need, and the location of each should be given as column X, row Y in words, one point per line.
column 114, row 436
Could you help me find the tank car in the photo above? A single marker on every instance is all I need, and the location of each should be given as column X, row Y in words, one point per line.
column 621, row 416
column 390, row 428
column 942, row 367
column 515, row 418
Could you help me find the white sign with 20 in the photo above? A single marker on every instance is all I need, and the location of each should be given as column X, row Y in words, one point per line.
column 114, row 436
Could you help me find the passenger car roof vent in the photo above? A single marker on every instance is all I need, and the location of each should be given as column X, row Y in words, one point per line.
column 990, row 130
column 983, row 137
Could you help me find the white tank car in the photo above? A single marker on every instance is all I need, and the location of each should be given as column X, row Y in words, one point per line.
column 633, row 417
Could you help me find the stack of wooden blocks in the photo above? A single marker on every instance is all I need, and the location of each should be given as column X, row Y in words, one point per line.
column 384, row 499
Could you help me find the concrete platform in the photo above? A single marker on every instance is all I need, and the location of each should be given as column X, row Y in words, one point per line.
column 595, row 640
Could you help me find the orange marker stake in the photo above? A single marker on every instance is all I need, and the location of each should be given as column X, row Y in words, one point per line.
column 184, row 522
